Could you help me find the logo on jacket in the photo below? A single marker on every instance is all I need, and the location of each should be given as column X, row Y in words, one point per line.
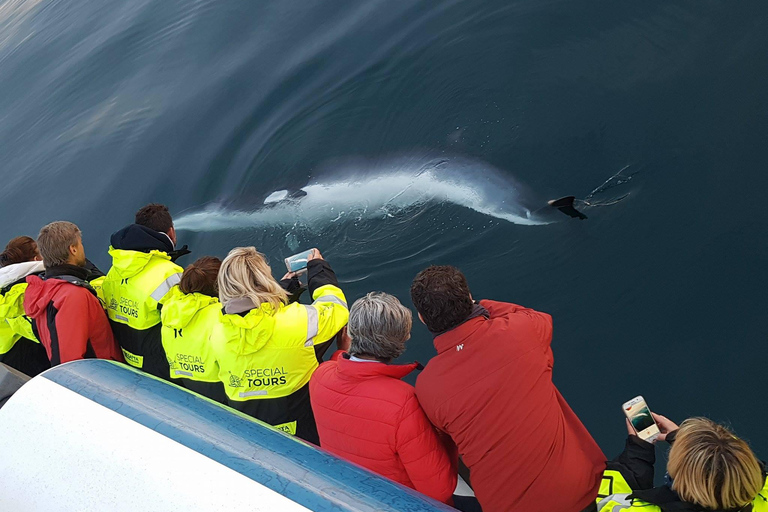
column 459, row 347
column 234, row 381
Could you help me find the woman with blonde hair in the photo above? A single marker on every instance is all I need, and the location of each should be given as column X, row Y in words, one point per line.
column 709, row 469
column 266, row 346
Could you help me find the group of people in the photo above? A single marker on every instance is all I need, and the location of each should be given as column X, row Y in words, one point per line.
column 230, row 331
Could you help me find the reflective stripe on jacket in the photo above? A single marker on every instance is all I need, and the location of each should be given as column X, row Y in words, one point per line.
column 266, row 357
column 132, row 291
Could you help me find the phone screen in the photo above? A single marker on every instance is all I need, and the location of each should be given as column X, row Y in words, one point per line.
column 640, row 416
column 298, row 262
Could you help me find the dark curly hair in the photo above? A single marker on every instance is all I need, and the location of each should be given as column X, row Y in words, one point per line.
column 441, row 296
column 155, row 216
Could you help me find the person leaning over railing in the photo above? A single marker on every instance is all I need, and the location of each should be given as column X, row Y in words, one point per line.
column 190, row 312
column 367, row 415
column 19, row 348
column 709, row 468
column 266, row 346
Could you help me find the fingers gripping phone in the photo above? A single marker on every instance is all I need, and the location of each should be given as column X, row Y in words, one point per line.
column 298, row 262
column 639, row 415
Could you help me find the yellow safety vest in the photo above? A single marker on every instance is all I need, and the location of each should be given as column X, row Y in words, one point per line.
column 269, row 354
column 188, row 320
column 135, row 286
column 14, row 324
column 614, row 493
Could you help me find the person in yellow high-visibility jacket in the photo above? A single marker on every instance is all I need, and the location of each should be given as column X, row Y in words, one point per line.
column 709, row 468
column 266, row 347
column 19, row 347
column 191, row 311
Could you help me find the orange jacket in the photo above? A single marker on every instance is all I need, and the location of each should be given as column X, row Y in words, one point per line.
column 366, row 414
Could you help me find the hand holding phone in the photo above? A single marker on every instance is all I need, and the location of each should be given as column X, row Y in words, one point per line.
column 641, row 419
column 298, row 262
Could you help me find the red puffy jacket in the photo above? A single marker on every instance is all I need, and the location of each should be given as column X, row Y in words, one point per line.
column 69, row 320
column 490, row 388
column 367, row 415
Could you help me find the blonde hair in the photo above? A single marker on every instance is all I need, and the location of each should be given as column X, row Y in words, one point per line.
column 245, row 273
column 713, row 468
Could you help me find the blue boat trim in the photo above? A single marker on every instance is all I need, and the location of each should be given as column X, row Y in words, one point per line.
column 299, row 471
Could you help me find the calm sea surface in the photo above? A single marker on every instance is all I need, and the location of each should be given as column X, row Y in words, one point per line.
column 431, row 132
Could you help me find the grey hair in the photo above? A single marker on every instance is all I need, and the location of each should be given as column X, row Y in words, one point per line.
column 54, row 242
column 379, row 325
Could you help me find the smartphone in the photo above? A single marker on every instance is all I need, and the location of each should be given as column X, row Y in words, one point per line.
column 298, row 262
column 639, row 415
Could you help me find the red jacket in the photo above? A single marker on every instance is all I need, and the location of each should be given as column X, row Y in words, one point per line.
column 69, row 320
column 490, row 388
column 367, row 415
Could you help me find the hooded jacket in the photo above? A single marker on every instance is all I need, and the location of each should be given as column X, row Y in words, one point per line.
column 142, row 273
column 267, row 356
column 490, row 388
column 188, row 320
column 67, row 316
column 628, row 484
column 19, row 347
column 367, row 415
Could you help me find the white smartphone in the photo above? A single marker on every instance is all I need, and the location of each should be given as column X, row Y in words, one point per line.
column 640, row 417
column 298, row 262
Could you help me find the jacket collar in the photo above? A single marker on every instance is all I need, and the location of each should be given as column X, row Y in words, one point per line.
column 448, row 339
column 668, row 500
column 238, row 306
column 61, row 271
column 140, row 238
column 367, row 370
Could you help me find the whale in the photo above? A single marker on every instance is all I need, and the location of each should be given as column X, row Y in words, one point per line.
column 383, row 189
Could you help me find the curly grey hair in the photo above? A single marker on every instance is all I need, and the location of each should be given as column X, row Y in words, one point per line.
column 379, row 325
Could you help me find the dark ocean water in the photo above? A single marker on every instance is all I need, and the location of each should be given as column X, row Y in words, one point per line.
column 426, row 132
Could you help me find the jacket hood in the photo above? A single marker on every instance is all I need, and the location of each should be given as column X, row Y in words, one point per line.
column 256, row 328
column 140, row 238
column 128, row 263
column 12, row 303
column 358, row 370
column 179, row 308
column 12, row 273
column 39, row 294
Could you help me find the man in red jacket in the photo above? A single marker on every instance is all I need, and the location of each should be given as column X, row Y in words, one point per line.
column 67, row 317
column 490, row 388
column 366, row 414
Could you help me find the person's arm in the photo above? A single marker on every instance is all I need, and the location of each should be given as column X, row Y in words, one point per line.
column 539, row 323
column 291, row 284
column 430, row 464
column 72, row 327
column 331, row 312
column 632, row 470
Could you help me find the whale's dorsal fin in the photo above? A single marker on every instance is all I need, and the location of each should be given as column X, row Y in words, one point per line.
column 565, row 205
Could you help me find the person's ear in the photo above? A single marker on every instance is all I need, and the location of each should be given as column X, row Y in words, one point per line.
column 73, row 250
column 421, row 319
column 172, row 234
